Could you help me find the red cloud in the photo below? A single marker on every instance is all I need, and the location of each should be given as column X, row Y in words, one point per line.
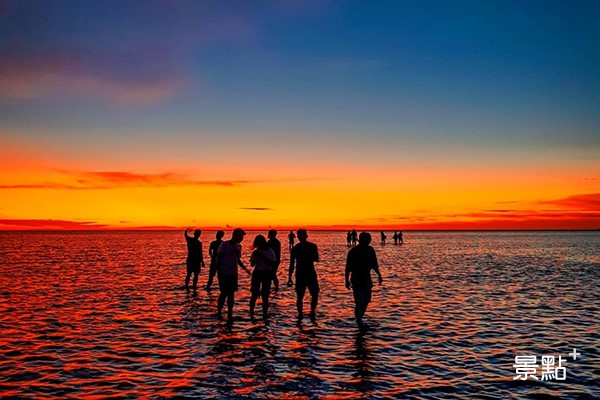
column 50, row 224
column 96, row 180
column 589, row 201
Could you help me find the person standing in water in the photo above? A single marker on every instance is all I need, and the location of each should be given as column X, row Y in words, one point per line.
column 229, row 257
column 275, row 245
column 303, row 256
column 395, row 238
column 383, row 237
column 263, row 260
column 291, row 238
column 195, row 259
column 349, row 238
column 400, row 238
column 354, row 237
column 212, row 251
column 359, row 263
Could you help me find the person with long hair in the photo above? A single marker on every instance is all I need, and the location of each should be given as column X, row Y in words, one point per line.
column 263, row 260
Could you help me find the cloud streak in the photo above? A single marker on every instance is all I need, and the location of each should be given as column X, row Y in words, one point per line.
column 123, row 78
column 100, row 180
column 51, row 224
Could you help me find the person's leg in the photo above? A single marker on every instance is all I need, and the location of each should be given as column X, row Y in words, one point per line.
column 275, row 279
column 300, row 290
column 211, row 275
column 230, row 303
column 187, row 278
column 313, row 288
column 266, row 291
column 220, row 304
column 195, row 282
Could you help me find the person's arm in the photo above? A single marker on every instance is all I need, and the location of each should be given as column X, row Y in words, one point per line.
column 316, row 253
column 185, row 233
column 240, row 263
column 291, row 270
column 348, row 266
column 376, row 266
column 201, row 255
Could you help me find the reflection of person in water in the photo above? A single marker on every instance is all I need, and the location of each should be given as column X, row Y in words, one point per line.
column 359, row 263
column 194, row 260
column 212, row 251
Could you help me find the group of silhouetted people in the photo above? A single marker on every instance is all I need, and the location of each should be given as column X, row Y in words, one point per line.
column 226, row 256
column 352, row 238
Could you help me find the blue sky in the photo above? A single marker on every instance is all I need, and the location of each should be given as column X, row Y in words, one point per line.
column 494, row 74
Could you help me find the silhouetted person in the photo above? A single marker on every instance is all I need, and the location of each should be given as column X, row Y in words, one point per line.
column 304, row 255
column 400, row 238
column 194, row 260
column 354, row 237
column 395, row 237
column 212, row 251
column 275, row 245
column 349, row 238
column 229, row 257
column 383, row 237
column 291, row 238
column 359, row 263
column 263, row 260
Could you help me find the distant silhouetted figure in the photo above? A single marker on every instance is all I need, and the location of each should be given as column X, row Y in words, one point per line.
column 229, row 257
column 194, row 260
column 359, row 263
column 263, row 260
column 354, row 236
column 383, row 237
column 395, row 237
column 349, row 238
column 275, row 245
column 291, row 238
column 400, row 238
column 303, row 256
column 212, row 251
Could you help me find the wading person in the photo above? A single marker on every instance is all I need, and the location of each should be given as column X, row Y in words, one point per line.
column 359, row 263
column 194, row 260
column 229, row 256
column 212, row 251
column 263, row 260
column 275, row 245
column 303, row 256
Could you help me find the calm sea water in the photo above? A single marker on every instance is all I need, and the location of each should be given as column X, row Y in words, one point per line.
column 103, row 314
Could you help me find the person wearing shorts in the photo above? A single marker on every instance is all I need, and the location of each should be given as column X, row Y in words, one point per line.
column 359, row 263
column 195, row 259
column 263, row 260
column 229, row 257
column 303, row 257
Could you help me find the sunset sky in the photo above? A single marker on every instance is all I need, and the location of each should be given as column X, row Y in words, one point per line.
column 322, row 114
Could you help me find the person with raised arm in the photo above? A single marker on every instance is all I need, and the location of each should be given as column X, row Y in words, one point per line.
column 195, row 259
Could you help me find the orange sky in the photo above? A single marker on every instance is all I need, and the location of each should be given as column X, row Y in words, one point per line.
column 53, row 190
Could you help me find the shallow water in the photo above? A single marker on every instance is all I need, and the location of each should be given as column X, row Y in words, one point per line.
column 103, row 314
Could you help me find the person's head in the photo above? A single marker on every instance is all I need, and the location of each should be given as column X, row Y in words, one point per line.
column 302, row 235
column 260, row 242
column 237, row 235
column 219, row 235
column 272, row 233
column 197, row 233
column 364, row 238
